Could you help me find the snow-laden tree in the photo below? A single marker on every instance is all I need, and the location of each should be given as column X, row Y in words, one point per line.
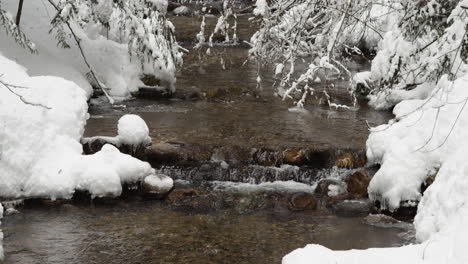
column 140, row 24
column 419, row 41
column 430, row 41
column 319, row 32
column 12, row 29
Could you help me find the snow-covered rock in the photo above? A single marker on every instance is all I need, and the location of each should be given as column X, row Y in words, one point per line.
column 132, row 130
column 42, row 120
column 157, row 184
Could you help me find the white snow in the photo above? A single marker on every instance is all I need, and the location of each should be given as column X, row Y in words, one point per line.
column 422, row 140
column 162, row 182
column 428, row 134
column 109, row 59
column 41, row 154
column 288, row 186
column 132, row 130
column 447, row 246
column 261, row 6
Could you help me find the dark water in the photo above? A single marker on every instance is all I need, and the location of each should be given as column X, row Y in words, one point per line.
column 150, row 232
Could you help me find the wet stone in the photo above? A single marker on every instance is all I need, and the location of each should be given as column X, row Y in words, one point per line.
column 179, row 194
column 358, row 183
column 352, row 207
column 345, row 161
column 322, row 187
column 294, row 156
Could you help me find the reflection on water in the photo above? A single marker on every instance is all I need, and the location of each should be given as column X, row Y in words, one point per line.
column 236, row 111
column 150, row 232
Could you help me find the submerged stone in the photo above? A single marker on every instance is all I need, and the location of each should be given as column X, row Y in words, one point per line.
column 352, row 207
column 302, row 201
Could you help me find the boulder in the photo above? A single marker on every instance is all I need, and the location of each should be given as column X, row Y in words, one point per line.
column 358, row 183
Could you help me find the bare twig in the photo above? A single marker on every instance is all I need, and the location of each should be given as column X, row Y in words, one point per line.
column 10, row 88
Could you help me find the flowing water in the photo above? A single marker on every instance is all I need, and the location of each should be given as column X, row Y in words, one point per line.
column 151, row 232
column 233, row 109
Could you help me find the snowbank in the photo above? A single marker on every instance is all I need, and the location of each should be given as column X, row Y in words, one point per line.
column 447, row 246
column 427, row 135
column 421, row 140
column 41, row 122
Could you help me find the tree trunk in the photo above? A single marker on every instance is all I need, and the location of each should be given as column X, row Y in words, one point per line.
column 18, row 14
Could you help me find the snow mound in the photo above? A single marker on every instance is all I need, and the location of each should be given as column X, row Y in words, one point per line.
column 41, row 122
column 424, row 135
column 132, row 130
column 105, row 171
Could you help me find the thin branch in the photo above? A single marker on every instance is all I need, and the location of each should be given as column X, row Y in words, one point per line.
column 77, row 40
column 21, row 97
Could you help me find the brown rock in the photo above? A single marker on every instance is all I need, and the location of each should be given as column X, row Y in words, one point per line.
column 332, row 200
column 302, row 201
column 345, row 161
column 294, row 156
column 358, row 183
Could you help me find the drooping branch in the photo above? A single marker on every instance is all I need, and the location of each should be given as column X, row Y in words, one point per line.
column 77, row 40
